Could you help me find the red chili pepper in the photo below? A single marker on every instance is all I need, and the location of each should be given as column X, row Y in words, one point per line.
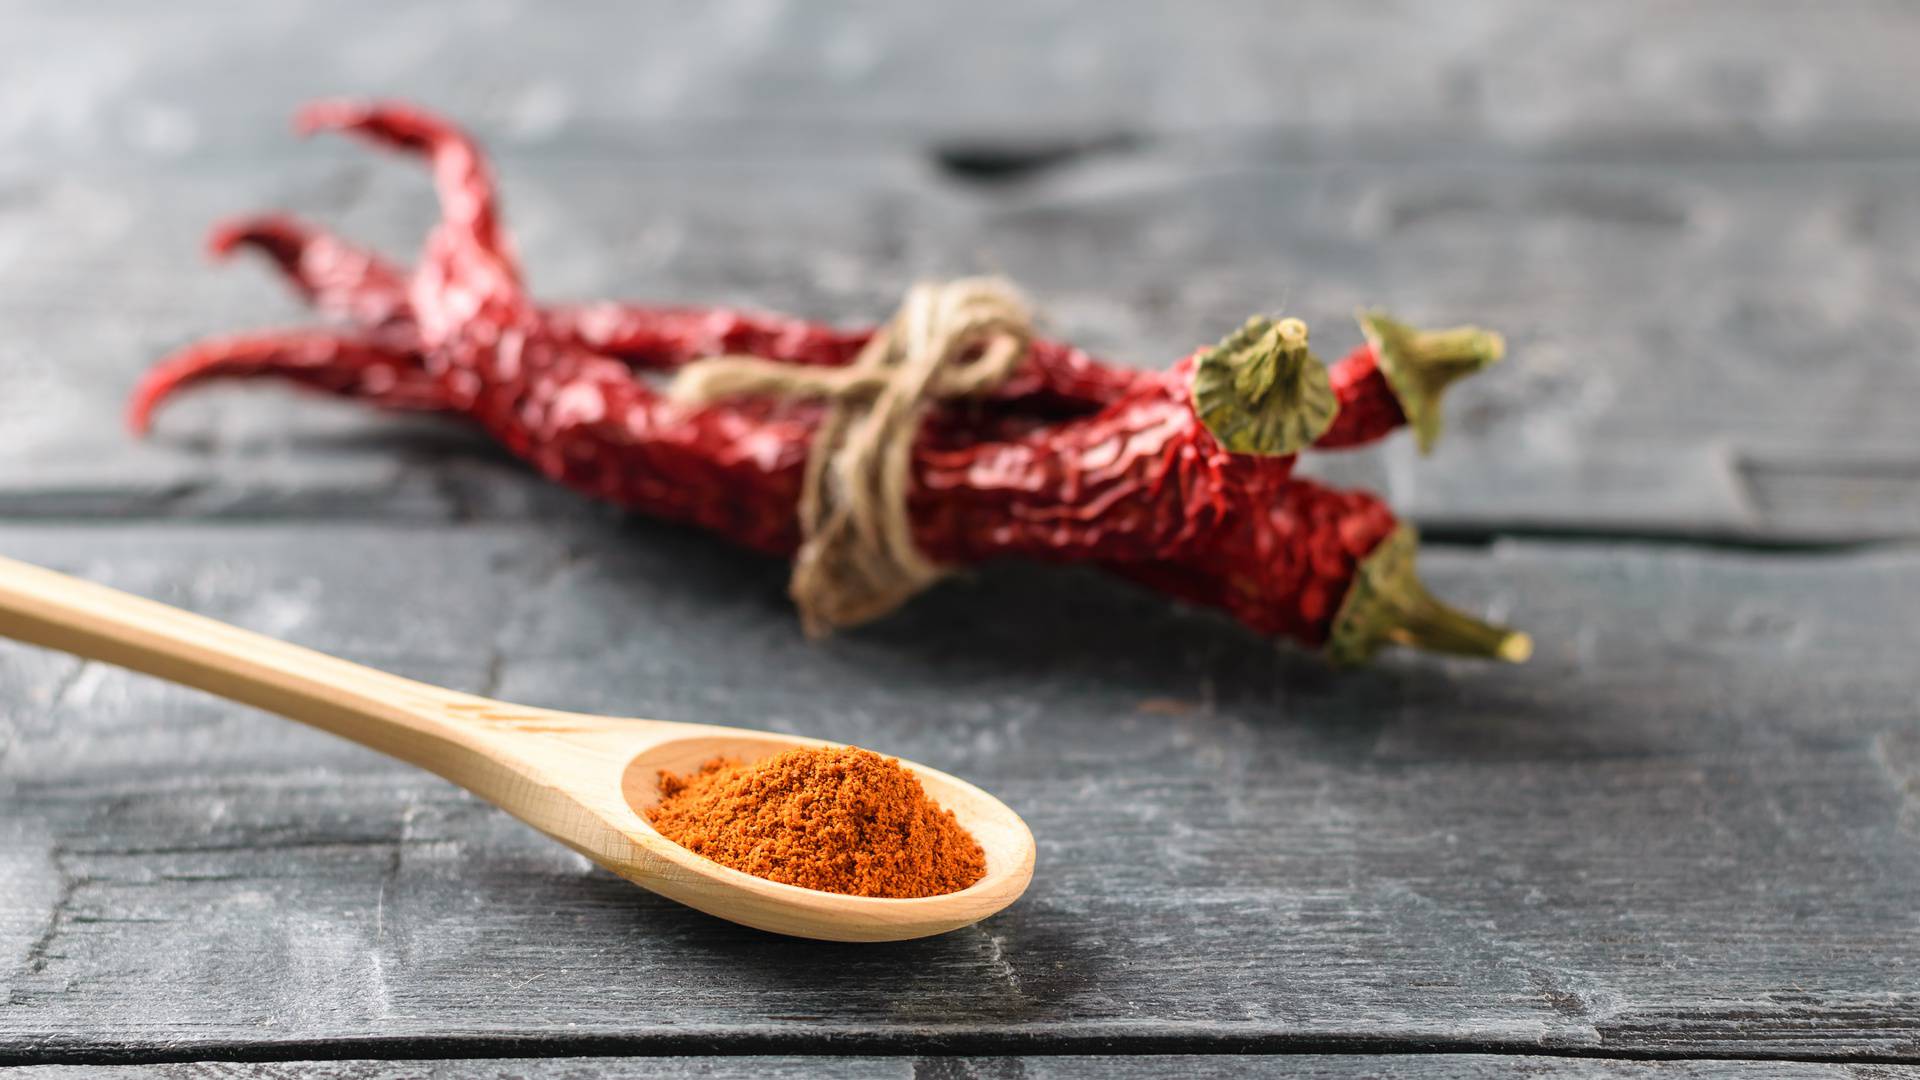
column 1178, row 479
column 360, row 287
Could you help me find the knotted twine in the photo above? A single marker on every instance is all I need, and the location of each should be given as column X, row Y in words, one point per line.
column 857, row 559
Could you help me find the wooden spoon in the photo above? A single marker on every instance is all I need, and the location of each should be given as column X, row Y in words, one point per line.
column 586, row 781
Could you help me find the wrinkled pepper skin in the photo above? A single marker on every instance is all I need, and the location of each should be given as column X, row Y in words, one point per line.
column 1070, row 460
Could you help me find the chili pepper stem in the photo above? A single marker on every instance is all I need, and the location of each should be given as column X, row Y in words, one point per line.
column 1387, row 605
column 1421, row 364
column 1262, row 391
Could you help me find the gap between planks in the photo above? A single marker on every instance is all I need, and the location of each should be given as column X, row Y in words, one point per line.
column 871, row 1044
column 1443, row 535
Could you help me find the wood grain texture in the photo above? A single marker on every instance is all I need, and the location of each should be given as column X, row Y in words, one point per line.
column 1697, row 240
column 1064, row 1067
column 1687, row 827
column 1639, row 76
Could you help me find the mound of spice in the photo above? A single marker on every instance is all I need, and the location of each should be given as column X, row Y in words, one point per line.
column 839, row 820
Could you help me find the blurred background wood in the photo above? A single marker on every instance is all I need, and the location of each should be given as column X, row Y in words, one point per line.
column 1687, row 829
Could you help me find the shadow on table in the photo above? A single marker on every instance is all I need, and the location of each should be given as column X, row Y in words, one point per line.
column 1043, row 632
column 997, row 620
column 1072, row 635
column 1001, row 968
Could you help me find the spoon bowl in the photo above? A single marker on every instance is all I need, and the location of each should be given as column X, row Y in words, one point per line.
column 789, row 909
column 587, row 781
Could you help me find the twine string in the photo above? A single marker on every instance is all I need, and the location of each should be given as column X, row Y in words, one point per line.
column 949, row 340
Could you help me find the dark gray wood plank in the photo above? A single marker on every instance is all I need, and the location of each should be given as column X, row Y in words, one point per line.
column 1635, row 77
column 1063, row 1067
column 1694, row 350
column 1686, row 828
column 1698, row 237
column 1713, row 350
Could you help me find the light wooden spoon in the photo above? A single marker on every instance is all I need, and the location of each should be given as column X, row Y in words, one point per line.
column 586, row 781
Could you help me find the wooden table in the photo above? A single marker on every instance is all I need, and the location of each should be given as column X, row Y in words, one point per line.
column 1684, row 840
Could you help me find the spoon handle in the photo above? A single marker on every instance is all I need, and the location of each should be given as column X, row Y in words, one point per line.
column 396, row 716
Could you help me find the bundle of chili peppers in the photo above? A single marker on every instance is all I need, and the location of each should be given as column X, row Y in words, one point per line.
column 1179, row 479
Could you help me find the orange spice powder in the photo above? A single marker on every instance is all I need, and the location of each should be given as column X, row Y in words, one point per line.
column 839, row 820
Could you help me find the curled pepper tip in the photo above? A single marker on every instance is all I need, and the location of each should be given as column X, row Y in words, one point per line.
column 326, row 115
column 1262, row 391
column 1421, row 364
column 1388, row 605
column 223, row 238
column 269, row 232
column 139, row 414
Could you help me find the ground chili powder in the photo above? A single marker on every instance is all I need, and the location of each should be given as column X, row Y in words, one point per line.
column 840, row 820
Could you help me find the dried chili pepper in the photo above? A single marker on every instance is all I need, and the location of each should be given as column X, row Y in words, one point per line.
column 342, row 280
column 1179, row 479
